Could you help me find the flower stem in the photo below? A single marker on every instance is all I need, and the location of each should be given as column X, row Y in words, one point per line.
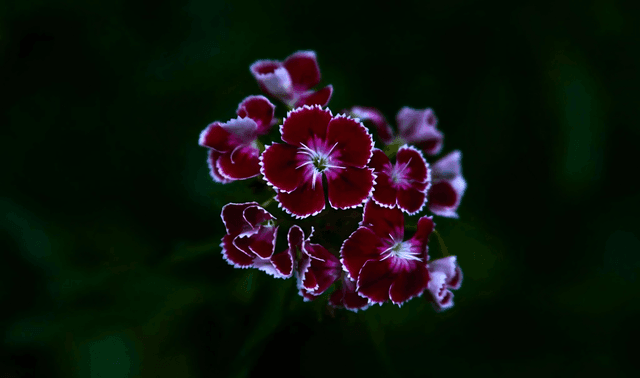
column 443, row 247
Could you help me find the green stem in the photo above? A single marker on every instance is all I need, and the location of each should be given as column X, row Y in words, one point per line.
column 443, row 247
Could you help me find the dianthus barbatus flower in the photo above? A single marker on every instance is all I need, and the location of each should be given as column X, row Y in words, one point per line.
column 383, row 265
column 404, row 183
column 448, row 185
column 291, row 81
column 414, row 127
column 234, row 154
column 317, row 268
column 347, row 296
column 317, row 144
column 251, row 240
column 446, row 275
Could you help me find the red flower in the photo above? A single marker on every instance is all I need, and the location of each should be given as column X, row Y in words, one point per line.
column 251, row 240
column 382, row 264
column 317, row 268
column 317, row 144
column 448, row 186
column 291, row 81
column 446, row 275
column 414, row 127
column 404, row 183
column 234, row 154
column 347, row 296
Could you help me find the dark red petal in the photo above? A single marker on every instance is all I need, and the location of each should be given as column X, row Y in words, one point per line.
column 375, row 279
column 283, row 263
column 384, row 193
column 379, row 161
column 279, row 164
column 320, row 97
column 386, row 223
column 420, row 239
column 295, row 237
column 325, row 267
column 355, row 144
column 377, row 118
column 224, row 137
column 416, row 166
column 233, row 218
column 263, row 242
column 305, row 200
column 409, row 284
column 242, row 163
column 351, row 300
column 258, row 108
column 440, row 203
column 336, row 297
column 442, row 194
column 273, row 78
column 349, row 187
column 411, row 200
column 256, row 215
column 233, row 255
column 303, row 69
column 361, row 246
column 216, row 137
column 304, row 124
column 212, row 162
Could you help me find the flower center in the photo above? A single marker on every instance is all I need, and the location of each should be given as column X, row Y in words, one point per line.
column 319, row 159
column 401, row 250
column 320, row 162
column 398, row 174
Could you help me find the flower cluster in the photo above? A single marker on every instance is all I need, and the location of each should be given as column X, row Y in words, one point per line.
column 315, row 157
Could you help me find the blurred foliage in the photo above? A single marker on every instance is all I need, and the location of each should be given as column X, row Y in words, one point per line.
column 110, row 224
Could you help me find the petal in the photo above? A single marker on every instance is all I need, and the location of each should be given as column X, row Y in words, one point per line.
column 242, row 163
column 233, row 218
column 303, row 69
column 320, row 97
column 411, row 200
column 349, row 187
column 212, row 162
column 224, row 137
column 255, row 215
column 375, row 116
column 263, row 242
column 354, row 143
column 304, row 124
column 233, row 255
column 448, row 167
column 420, row 239
column 379, row 161
column 325, row 267
column 283, row 263
column 273, row 78
column 305, row 201
column 451, row 270
column 375, row 279
column 445, row 196
column 384, row 193
column 361, row 246
column 259, row 109
column 385, row 223
column 419, row 126
column 416, row 166
column 347, row 296
column 437, row 286
column 409, row 284
column 279, row 164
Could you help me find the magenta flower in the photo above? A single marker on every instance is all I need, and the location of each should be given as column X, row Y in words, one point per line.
column 251, row 240
column 348, row 297
column 383, row 265
column 404, row 183
column 448, row 186
column 291, row 81
column 414, row 127
column 317, row 268
column 446, row 275
column 317, row 144
column 234, row 154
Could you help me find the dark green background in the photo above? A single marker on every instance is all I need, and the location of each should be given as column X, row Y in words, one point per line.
column 110, row 223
